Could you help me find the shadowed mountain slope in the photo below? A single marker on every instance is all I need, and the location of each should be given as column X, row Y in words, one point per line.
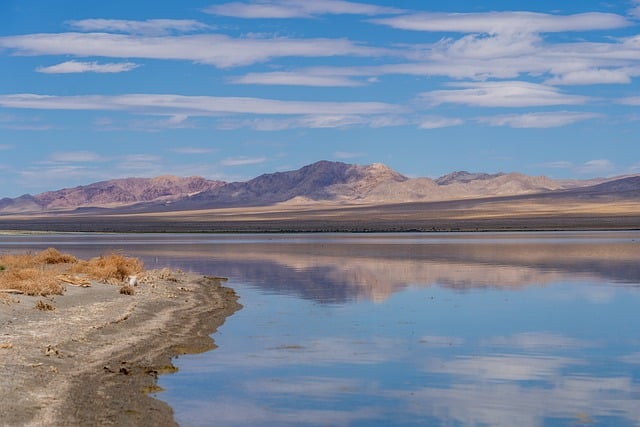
column 116, row 192
column 321, row 182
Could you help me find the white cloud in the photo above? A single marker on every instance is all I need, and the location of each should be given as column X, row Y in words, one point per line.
column 504, row 22
column 14, row 122
column 295, row 79
column 193, row 150
column 632, row 100
column 435, row 122
column 150, row 27
column 314, row 121
column 502, row 94
column 600, row 166
column 499, row 56
column 634, row 12
column 538, row 120
column 593, row 76
column 215, row 49
column 591, row 167
column 180, row 105
column 439, row 341
column 296, row 8
column 84, row 67
column 243, row 161
column 74, row 157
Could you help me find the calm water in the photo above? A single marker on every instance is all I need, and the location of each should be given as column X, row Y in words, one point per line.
column 535, row 329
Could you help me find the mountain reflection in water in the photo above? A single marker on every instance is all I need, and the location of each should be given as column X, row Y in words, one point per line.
column 331, row 270
column 495, row 329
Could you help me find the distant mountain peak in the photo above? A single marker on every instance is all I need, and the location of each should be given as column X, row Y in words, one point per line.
column 465, row 177
column 323, row 181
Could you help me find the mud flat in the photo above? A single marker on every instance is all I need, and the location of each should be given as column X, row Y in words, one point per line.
column 92, row 355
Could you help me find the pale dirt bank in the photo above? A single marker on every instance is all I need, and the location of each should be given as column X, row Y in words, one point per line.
column 93, row 359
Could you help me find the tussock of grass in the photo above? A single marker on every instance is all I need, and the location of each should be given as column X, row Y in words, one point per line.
column 112, row 268
column 30, row 280
column 127, row 290
column 53, row 256
column 43, row 306
column 35, row 273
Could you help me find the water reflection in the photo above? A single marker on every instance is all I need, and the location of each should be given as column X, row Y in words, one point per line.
column 339, row 268
column 330, row 270
column 535, row 329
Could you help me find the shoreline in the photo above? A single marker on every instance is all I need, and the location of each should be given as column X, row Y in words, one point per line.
column 95, row 358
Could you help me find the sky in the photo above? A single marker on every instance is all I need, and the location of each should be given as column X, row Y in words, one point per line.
column 229, row 90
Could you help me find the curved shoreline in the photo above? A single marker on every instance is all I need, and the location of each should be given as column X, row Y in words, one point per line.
column 96, row 357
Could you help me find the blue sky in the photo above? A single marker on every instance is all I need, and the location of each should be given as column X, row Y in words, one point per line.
column 233, row 89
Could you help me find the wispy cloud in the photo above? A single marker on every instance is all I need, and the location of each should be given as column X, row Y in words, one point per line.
column 631, row 100
column 296, row 79
column 193, row 150
column 243, row 161
column 74, row 157
column 599, row 166
column 635, row 9
column 502, row 94
column 69, row 67
column 436, row 122
column 296, row 9
column 538, row 120
column 180, row 105
column 150, row 27
column 589, row 168
column 214, row 49
column 15, row 122
column 595, row 76
column 504, row 22
column 315, row 121
column 482, row 57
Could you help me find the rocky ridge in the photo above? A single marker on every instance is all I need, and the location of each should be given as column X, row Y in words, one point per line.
column 320, row 182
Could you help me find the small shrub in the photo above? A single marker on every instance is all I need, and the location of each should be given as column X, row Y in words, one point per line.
column 109, row 268
column 53, row 256
column 43, row 306
column 31, row 281
column 127, row 290
column 2, row 267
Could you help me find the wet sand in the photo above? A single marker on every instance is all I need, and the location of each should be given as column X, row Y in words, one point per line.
column 94, row 359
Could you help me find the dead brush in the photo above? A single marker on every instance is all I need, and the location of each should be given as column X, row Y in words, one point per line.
column 37, row 274
column 53, row 256
column 44, row 306
column 31, row 281
column 113, row 268
column 127, row 290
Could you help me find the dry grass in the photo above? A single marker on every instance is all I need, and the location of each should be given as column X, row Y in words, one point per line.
column 30, row 280
column 127, row 290
column 113, row 268
column 43, row 306
column 36, row 273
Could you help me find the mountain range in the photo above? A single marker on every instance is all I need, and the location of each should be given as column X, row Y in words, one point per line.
column 321, row 182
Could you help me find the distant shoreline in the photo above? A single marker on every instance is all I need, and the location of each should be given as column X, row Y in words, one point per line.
column 518, row 213
column 47, row 226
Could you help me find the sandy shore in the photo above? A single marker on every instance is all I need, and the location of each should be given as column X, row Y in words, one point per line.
column 94, row 358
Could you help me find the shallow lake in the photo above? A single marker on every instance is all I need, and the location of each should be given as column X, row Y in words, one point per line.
column 496, row 329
